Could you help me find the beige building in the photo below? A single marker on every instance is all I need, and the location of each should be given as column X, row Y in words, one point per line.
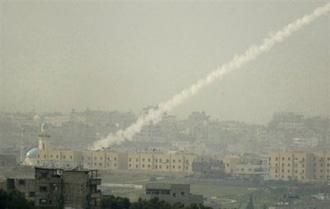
column 321, row 166
column 299, row 165
column 47, row 157
column 230, row 162
column 161, row 161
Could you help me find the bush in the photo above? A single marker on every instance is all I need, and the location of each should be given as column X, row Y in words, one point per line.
column 14, row 200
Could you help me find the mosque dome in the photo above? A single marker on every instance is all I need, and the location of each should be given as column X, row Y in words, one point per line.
column 32, row 153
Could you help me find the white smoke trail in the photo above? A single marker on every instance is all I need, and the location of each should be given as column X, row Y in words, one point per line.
column 155, row 115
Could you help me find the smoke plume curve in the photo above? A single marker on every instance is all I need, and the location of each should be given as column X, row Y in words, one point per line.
column 155, row 115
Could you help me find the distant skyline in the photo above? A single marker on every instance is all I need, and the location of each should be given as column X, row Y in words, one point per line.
column 58, row 56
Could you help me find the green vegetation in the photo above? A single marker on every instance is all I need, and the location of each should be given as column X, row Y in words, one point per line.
column 112, row 202
column 14, row 200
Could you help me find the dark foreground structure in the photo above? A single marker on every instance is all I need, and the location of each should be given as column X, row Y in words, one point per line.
column 172, row 193
column 57, row 188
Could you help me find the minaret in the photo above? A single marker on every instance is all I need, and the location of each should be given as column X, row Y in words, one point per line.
column 43, row 138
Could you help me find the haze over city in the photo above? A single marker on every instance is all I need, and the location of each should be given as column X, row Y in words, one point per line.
column 164, row 104
column 126, row 56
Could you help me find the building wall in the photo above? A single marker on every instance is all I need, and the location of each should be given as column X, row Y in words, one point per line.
column 231, row 161
column 26, row 186
column 321, row 166
column 172, row 193
column 299, row 165
column 57, row 188
column 112, row 160
column 161, row 162
column 75, row 190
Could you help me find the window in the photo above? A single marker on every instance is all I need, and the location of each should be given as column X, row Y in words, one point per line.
column 32, row 194
column 42, row 201
column 43, row 189
column 21, row 182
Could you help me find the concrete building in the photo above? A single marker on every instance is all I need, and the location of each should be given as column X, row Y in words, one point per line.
column 26, row 186
column 157, row 161
column 291, row 165
column 47, row 157
column 57, row 188
column 248, row 171
column 172, row 193
column 231, row 161
column 206, row 166
column 299, row 165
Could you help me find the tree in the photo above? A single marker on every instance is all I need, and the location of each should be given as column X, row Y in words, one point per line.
column 112, row 202
column 14, row 200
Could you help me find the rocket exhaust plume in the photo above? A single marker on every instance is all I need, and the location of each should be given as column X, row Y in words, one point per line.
column 155, row 115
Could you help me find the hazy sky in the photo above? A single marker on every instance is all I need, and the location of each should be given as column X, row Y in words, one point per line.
column 107, row 55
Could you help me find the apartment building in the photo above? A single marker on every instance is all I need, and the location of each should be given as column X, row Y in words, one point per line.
column 161, row 161
column 45, row 156
column 321, row 166
column 172, row 193
column 299, row 165
column 57, row 188
column 230, row 162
